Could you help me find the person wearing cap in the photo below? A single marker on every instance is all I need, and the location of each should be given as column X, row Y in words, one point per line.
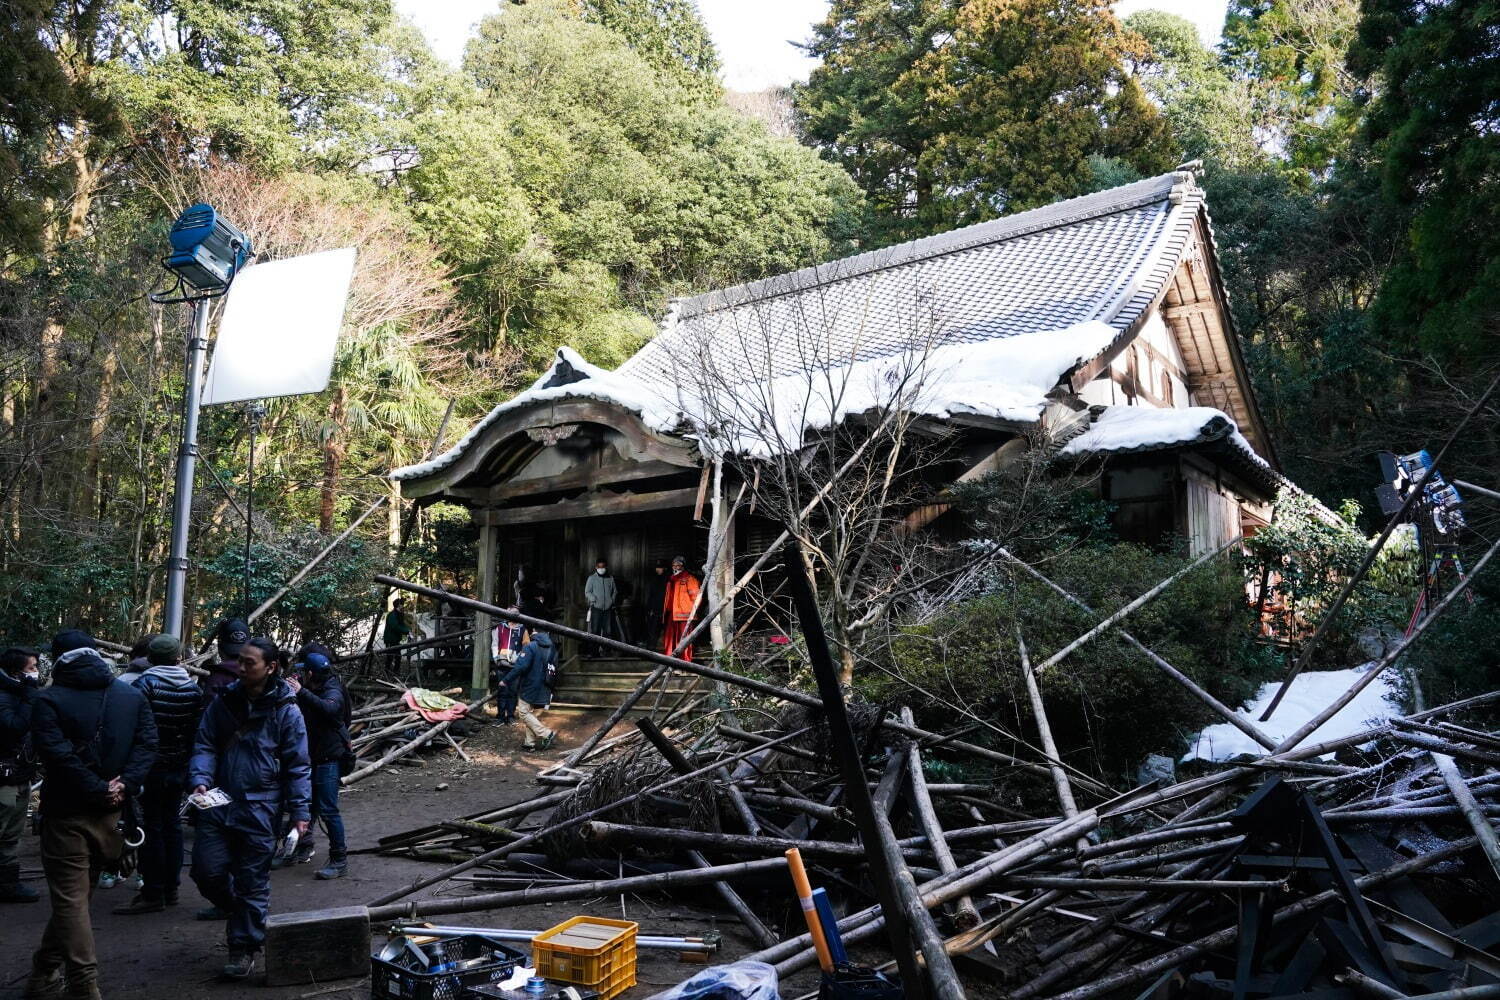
column 231, row 636
column 96, row 740
column 18, row 690
column 177, row 705
column 678, row 606
column 325, row 707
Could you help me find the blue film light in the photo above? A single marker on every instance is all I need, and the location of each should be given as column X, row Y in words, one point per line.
column 206, row 250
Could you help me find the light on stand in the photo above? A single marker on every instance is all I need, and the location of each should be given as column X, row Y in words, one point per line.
column 207, row 253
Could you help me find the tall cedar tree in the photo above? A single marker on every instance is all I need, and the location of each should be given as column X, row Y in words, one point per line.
column 1433, row 125
column 954, row 113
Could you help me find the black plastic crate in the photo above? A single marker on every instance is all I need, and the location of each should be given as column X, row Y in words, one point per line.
column 402, row 979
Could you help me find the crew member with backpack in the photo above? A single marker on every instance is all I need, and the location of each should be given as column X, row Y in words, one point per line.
column 325, row 707
column 533, row 678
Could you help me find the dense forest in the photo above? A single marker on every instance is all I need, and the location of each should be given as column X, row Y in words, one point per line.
column 585, row 165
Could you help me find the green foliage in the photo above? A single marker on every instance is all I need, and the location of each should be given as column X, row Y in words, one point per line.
column 1433, row 128
column 330, row 604
column 669, row 34
column 1107, row 704
column 582, row 185
column 58, row 570
column 949, row 113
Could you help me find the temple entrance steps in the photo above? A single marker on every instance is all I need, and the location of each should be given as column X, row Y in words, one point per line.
column 603, row 683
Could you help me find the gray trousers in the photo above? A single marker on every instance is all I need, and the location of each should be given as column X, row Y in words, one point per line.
column 13, row 800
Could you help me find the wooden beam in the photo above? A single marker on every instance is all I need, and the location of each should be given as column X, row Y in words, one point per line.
column 589, row 505
column 583, row 477
column 479, row 680
column 1186, row 309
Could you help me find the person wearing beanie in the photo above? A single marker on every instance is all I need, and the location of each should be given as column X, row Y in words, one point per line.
column 231, row 636
column 18, row 689
column 177, row 705
column 325, row 706
column 96, row 740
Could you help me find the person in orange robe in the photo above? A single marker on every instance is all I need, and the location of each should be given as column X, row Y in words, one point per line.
column 677, row 609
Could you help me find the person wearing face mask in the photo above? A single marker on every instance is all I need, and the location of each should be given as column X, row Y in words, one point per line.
column 252, row 745
column 601, row 594
column 325, row 707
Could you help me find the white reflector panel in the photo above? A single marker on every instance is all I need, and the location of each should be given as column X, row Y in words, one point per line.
column 280, row 327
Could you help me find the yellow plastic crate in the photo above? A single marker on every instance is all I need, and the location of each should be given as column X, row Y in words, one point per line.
column 590, row 951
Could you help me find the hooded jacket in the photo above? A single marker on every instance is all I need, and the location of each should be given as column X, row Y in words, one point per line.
column 324, row 708
column 220, row 676
column 528, row 678
column 256, row 751
column 17, row 695
column 64, row 721
column 176, row 703
column 600, row 592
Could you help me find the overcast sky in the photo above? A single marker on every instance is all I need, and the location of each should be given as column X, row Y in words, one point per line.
column 754, row 36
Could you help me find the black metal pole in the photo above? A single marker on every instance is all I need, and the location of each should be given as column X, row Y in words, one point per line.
column 254, row 412
column 856, row 792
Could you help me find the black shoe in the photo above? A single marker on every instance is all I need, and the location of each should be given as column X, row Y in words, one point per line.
column 240, row 965
column 169, row 897
column 142, row 903
column 336, row 868
column 211, row 913
column 15, row 892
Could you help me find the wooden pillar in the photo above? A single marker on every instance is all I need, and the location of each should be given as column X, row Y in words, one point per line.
column 721, row 586
column 479, row 683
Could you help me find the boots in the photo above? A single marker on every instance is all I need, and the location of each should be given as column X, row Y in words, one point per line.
column 11, row 889
column 337, row 867
column 82, row 991
column 43, row 984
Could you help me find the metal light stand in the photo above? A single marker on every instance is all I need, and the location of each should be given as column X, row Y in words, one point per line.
column 187, row 461
column 254, row 411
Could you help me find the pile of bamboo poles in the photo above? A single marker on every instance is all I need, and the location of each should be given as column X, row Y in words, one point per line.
column 384, row 730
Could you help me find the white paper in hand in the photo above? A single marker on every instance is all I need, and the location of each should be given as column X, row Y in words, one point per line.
column 280, row 328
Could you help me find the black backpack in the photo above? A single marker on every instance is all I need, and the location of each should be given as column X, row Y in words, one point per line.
column 550, row 673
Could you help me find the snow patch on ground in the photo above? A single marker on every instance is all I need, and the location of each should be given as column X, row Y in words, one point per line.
column 1311, row 692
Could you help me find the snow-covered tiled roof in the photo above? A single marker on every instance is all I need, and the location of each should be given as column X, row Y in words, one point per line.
column 996, row 313
column 1102, row 258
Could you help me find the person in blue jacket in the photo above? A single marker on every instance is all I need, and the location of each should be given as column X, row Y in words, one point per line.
column 252, row 744
column 536, row 665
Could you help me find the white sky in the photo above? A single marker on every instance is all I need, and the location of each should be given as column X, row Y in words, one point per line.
column 753, row 36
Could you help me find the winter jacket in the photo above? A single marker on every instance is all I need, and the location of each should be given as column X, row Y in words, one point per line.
column 397, row 628
column 601, row 592
column 177, row 704
column 528, row 678
column 324, row 709
column 220, row 676
column 682, row 594
column 16, row 698
column 256, row 751
column 64, row 721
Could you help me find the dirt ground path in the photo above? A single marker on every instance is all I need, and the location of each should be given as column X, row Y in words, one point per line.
column 169, row 955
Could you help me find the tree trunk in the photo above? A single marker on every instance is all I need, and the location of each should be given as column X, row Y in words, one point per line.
column 333, row 461
column 98, row 425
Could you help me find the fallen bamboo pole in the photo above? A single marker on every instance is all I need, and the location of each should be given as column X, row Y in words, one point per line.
column 1413, row 495
column 1060, row 783
column 965, row 913
column 577, row 890
column 406, row 748
column 1158, row 964
column 568, row 824
column 1187, row 683
column 1124, row 612
column 1368, row 677
column 1484, row 832
column 623, row 833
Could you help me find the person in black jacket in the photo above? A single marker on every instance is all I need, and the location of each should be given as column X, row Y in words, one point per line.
column 96, row 740
column 18, row 686
column 176, row 704
column 325, row 707
column 252, row 745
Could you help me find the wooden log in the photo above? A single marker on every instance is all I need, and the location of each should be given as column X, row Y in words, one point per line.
column 662, row 882
column 1442, row 746
column 736, row 902
column 1121, row 978
column 828, row 814
column 1142, row 884
column 965, row 913
column 1060, row 783
column 565, row 825
column 602, row 832
column 406, row 748
column 1484, row 832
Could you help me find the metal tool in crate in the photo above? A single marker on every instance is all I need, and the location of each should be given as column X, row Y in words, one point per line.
column 412, row 967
